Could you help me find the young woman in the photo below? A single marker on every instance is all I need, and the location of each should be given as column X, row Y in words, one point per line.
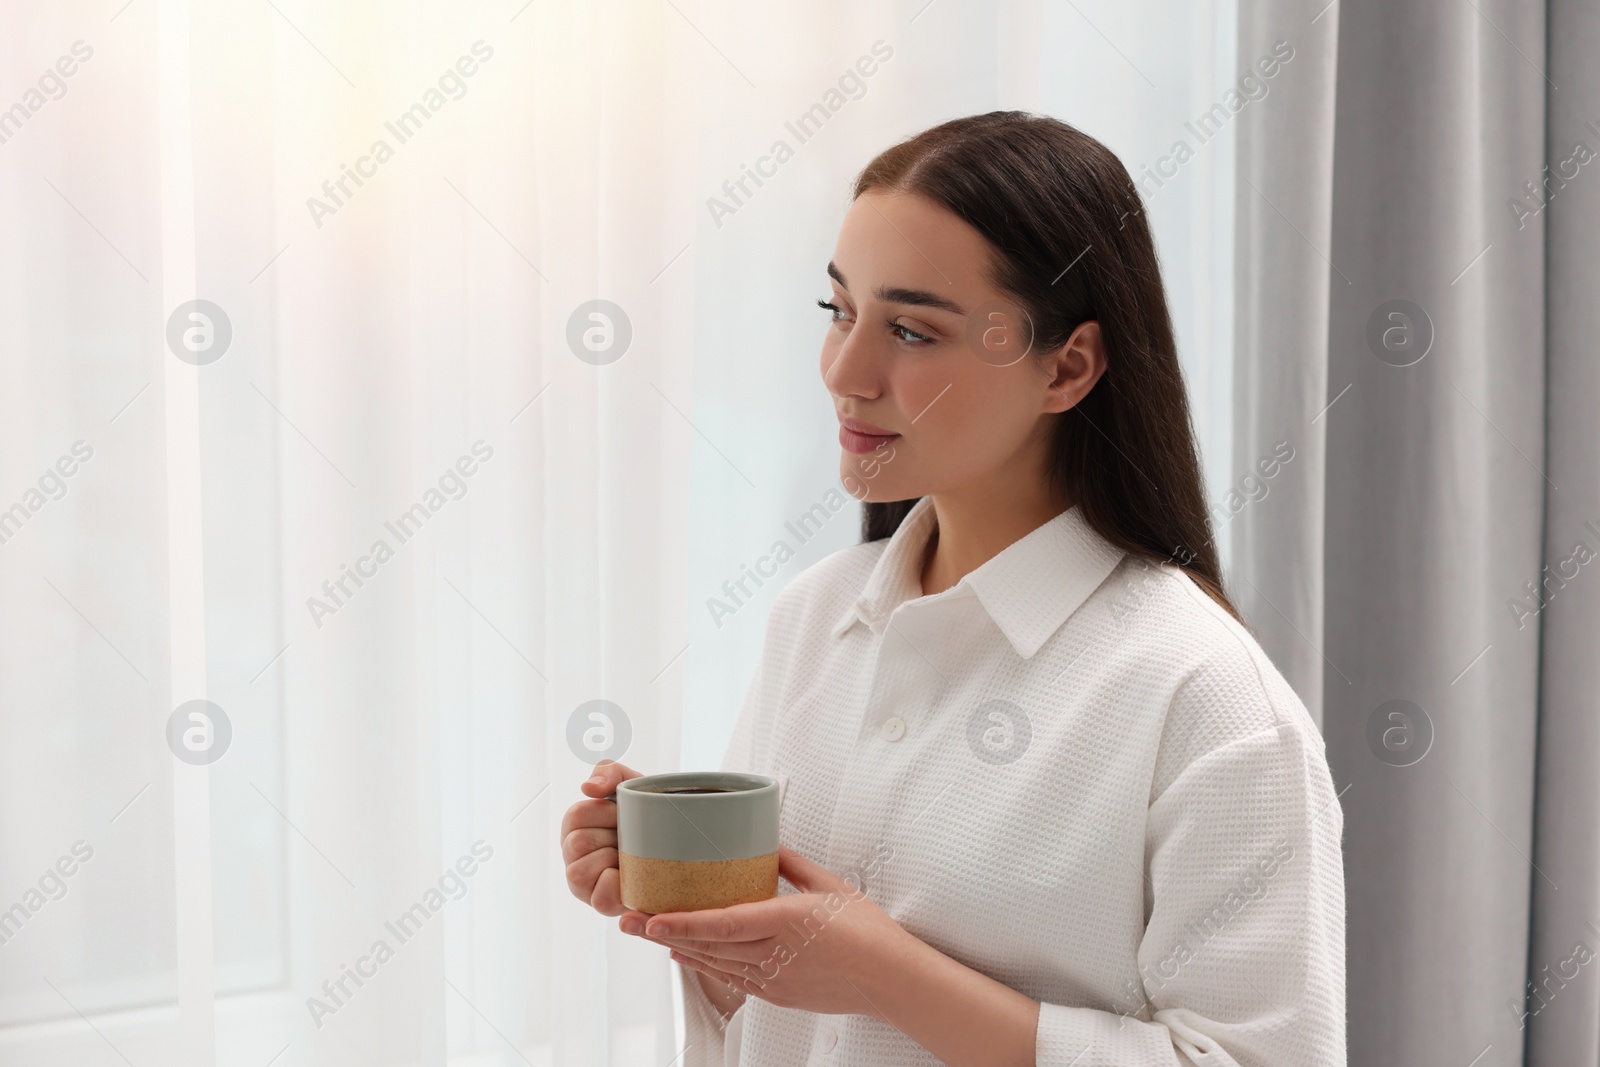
column 1046, row 801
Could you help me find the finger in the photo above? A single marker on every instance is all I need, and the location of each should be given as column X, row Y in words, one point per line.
column 584, row 840
column 607, row 773
column 588, row 813
column 583, row 874
column 701, row 966
column 706, row 958
column 756, row 921
column 607, row 896
column 710, row 965
column 728, row 951
column 743, row 982
column 595, row 812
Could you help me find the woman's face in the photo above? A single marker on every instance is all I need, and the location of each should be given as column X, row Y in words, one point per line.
column 929, row 364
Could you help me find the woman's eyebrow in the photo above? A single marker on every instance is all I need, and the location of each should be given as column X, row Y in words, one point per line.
column 918, row 297
column 895, row 295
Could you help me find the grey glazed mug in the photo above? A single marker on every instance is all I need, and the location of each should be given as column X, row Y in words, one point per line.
column 692, row 840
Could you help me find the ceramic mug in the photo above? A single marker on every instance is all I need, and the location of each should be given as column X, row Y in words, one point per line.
column 692, row 840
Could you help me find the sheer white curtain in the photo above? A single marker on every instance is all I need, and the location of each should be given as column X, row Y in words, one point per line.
column 399, row 505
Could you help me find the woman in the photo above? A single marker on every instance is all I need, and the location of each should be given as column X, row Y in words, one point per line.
column 1046, row 801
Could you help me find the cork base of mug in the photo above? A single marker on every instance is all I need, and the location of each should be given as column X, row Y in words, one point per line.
column 656, row 886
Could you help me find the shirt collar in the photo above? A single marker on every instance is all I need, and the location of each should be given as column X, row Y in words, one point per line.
column 1029, row 589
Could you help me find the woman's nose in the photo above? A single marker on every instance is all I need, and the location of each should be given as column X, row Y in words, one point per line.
column 855, row 370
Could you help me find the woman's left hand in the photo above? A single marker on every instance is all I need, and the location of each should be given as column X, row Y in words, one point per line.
column 823, row 949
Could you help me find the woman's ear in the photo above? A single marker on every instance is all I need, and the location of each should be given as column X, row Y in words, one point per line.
column 1071, row 371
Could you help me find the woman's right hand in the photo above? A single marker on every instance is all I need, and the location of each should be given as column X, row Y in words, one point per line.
column 589, row 841
column 589, row 849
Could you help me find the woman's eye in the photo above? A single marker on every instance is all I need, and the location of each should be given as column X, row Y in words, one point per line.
column 908, row 335
column 834, row 311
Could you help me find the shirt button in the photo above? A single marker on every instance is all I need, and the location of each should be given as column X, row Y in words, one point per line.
column 829, row 1039
column 894, row 728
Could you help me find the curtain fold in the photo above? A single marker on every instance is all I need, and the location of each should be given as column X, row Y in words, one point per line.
column 1282, row 221
column 1458, row 624
column 1566, row 909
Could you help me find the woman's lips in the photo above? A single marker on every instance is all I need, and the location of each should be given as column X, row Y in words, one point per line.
column 862, row 443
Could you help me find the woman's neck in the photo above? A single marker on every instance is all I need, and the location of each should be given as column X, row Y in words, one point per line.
column 974, row 526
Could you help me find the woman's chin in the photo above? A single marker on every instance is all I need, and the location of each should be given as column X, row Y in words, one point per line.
column 869, row 492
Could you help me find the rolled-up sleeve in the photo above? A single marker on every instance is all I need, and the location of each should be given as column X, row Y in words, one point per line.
column 1242, row 958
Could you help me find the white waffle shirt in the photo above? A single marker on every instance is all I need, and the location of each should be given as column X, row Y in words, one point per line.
column 1071, row 771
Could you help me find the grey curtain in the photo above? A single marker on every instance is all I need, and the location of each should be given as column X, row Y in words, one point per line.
column 1418, row 305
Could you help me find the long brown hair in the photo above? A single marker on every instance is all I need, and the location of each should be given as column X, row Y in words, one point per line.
column 1072, row 244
